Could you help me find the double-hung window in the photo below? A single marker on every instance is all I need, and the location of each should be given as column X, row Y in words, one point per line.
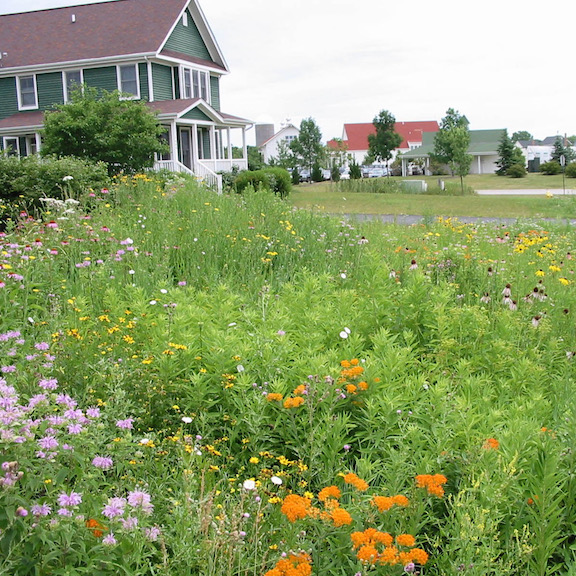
column 128, row 81
column 195, row 84
column 73, row 80
column 11, row 146
column 27, row 96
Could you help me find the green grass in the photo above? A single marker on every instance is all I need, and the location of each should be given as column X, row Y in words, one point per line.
column 333, row 198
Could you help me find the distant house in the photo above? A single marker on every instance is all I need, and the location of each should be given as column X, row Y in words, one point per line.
column 268, row 147
column 538, row 152
column 355, row 137
column 483, row 148
column 162, row 52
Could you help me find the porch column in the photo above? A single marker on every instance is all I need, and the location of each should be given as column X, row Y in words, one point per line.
column 213, row 154
column 194, row 146
column 244, row 147
column 479, row 165
column 229, row 143
column 404, row 167
column 174, row 143
column 38, row 142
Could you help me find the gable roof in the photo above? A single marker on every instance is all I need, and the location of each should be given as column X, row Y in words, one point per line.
column 279, row 134
column 97, row 31
column 356, row 135
column 482, row 143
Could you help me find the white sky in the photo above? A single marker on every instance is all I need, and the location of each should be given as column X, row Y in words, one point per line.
column 502, row 63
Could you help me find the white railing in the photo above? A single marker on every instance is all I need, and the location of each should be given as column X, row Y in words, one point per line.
column 201, row 172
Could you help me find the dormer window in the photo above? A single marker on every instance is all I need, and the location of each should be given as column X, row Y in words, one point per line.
column 128, row 82
column 27, row 96
column 73, row 80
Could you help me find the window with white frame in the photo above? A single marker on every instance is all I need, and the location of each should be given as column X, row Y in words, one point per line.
column 195, row 84
column 27, row 96
column 128, row 80
column 11, row 146
column 72, row 79
column 185, row 19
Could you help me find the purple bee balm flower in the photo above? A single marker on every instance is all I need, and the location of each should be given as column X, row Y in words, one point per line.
column 109, row 539
column 102, row 462
column 41, row 509
column 125, row 424
column 64, row 512
column 42, row 346
column 114, row 508
column 75, row 428
column 48, row 443
column 129, row 523
column 152, row 533
column 72, row 499
column 93, row 412
column 139, row 499
column 48, row 383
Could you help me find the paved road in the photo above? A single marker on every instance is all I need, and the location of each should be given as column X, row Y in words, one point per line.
column 539, row 192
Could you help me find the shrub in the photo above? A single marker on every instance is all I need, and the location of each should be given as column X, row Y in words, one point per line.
column 571, row 170
column 516, row 171
column 550, row 168
column 335, row 174
column 295, row 176
column 31, row 177
column 275, row 179
column 355, row 171
column 316, row 173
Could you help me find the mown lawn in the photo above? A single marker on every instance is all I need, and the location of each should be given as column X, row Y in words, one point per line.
column 341, row 198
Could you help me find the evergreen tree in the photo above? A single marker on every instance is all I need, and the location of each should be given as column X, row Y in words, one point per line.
column 562, row 148
column 506, row 154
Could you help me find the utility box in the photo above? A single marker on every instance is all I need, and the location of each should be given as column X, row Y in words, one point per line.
column 415, row 186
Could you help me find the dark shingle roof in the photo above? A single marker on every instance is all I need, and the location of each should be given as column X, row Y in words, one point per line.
column 86, row 32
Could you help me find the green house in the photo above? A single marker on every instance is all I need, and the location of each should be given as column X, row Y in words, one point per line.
column 483, row 148
column 159, row 51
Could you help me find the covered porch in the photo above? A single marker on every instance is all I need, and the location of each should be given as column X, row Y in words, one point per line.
column 200, row 140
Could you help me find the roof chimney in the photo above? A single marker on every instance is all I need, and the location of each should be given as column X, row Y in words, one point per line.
column 73, row 18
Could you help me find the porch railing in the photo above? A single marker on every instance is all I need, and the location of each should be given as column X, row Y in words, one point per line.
column 201, row 172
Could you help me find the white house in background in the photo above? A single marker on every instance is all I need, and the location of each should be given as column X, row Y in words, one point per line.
column 538, row 152
column 269, row 146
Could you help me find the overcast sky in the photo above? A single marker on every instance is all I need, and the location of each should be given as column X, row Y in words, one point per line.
column 502, row 63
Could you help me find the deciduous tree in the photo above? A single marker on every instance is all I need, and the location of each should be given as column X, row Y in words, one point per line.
column 386, row 140
column 101, row 126
column 307, row 146
column 451, row 144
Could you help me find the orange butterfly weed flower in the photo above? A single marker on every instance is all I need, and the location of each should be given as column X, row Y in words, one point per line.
column 367, row 554
column 96, row 527
column 295, row 507
column 491, row 444
column 293, row 402
column 401, row 500
column 274, row 397
column 383, row 503
column 358, row 483
column 351, row 388
column 329, row 492
column 363, row 385
column 432, row 483
column 340, row 517
column 389, row 556
column 299, row 390
column 406, row 540
column 294, row 565
column 419, row 556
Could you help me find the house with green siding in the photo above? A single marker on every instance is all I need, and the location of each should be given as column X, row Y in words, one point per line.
column 159, row 51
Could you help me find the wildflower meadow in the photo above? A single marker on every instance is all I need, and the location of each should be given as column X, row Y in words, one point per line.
column 220, row 385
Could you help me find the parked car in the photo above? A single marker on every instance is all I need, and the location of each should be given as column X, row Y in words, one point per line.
column 344, row 174
column 326, row 174
column 305, row 175
column 377, row 173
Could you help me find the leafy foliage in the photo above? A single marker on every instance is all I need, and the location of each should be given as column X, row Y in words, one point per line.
column 307, row 147
column 509, row 155
column 103, row 127
column 386, row 140
column 451, row 144
column 550, row 168
column 278, row 180
column 516, row 171
column 521, row 135
column 563, row 148
column 355, row 171
column 571, row 170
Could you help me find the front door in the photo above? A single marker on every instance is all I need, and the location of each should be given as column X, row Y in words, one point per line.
column 186, row 147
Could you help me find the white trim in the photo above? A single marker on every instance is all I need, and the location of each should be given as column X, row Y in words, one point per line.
column 5, row 145
column 65, row 81
column 185, row 19
column 195, row 87
column 119, row 80
column 150, row 81
column 19, row 92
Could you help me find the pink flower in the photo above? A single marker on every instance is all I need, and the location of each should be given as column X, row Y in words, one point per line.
column 125, row 424
column 102, row 462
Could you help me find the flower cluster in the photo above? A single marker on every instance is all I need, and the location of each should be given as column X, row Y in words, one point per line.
column 354, row 480
column 385, row 503
column 295, row 564
column 375, row 547
column 433, row 483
